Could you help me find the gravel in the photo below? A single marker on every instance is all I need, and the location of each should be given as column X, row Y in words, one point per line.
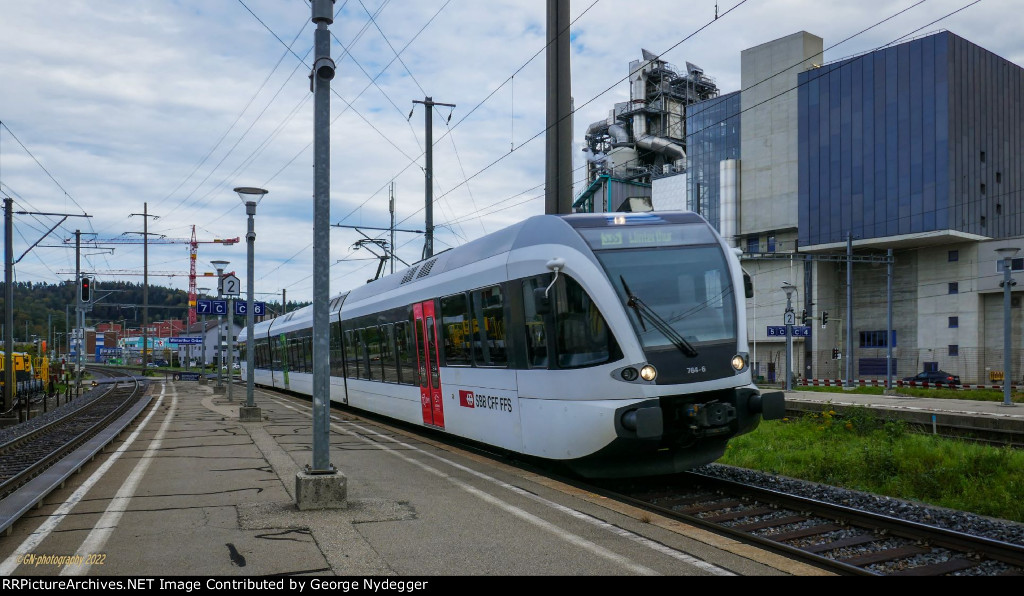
column 13, row 432
column 958, row 521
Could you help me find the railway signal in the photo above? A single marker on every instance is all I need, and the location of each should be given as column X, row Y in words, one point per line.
column 86, row 289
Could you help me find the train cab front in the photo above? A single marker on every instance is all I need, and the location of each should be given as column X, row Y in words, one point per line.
column 682, row 292
column 675, row 433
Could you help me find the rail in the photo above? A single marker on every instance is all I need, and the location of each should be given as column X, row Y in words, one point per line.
column 58, row 456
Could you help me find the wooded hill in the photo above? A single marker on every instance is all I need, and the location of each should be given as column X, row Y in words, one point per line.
column 40, row 305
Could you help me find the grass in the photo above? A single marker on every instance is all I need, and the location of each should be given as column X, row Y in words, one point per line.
column 860, row 451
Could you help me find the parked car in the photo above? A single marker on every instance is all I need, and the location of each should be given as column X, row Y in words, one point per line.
column 934, row 377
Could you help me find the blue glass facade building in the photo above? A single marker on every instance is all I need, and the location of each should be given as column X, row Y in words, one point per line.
column 712, row 135
column 921, row 137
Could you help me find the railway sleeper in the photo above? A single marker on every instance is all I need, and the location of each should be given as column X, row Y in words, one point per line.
column 882, row 556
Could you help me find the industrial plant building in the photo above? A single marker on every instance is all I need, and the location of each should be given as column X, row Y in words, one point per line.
column 812, row 168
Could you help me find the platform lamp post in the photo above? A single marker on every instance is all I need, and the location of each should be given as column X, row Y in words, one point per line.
column 251, row 197
column 219, row 354
column 789, row 318
column 1007, row 255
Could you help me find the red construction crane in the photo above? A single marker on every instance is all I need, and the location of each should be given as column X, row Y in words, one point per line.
column 192, row 250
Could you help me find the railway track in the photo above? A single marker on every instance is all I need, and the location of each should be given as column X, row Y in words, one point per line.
column 39, row 446
column 841, row 539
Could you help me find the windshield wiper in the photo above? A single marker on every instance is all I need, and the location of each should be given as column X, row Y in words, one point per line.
column 643, row 311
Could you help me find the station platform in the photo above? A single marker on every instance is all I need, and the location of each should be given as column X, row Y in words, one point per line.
column 189, row 490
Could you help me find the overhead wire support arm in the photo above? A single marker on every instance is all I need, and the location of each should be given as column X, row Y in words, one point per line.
column 8, row 327
column 373, row 228
column 63, row 218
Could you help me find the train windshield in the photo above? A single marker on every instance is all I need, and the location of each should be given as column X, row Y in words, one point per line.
column 675, row 281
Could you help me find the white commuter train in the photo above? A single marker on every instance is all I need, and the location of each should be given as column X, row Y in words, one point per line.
column 613, row 343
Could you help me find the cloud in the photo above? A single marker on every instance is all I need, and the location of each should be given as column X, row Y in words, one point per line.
column 173, row 104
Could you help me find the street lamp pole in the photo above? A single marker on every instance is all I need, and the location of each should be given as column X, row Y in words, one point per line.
column 1007, row 254
column 251, row 197
column 789, row 318
column 202, row 361
column 320, row 485
column 219, row 266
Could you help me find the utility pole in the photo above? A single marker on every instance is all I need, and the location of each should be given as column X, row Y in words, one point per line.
column 145, row 281
column 789, row 318
column 391, row 208
column 429, row 103
column 9, row 263
column 79, row 315
column 888, row 328
column 558, row 136
column 1007, row 254
column 8, row 304
column 849, row 310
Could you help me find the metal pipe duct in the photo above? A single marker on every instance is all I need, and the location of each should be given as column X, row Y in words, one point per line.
column 663, row 146
column 619, row 134
column 728, row 217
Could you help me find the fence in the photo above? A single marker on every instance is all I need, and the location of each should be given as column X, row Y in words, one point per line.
column 974, row 366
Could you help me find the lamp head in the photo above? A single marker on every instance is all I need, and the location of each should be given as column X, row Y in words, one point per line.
column 1007, row 252
column 250, row 193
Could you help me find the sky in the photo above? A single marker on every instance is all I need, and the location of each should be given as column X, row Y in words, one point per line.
column 145, row 115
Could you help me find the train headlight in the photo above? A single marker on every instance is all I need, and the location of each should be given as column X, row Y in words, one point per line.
column 648, row 373
column 629, row 374
column 739, row 362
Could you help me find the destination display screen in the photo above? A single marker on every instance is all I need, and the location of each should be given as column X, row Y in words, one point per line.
column 613, row 237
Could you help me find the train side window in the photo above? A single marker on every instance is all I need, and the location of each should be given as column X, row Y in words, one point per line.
column 536, row 330
column 421, row 357
column 455, row 326
column 435, row 378
column 307, row 353
column 278, row 353
column 353, row 351
column 406, row 355
column 489, row 347
column 293, row 355
column 388, row 358
column 583, row 337
column 337, row 353
column 369, row 352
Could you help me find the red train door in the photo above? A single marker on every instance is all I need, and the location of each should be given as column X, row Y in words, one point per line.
column 429, row 364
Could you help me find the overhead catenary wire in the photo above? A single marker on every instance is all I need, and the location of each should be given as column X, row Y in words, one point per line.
column 456, row 217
